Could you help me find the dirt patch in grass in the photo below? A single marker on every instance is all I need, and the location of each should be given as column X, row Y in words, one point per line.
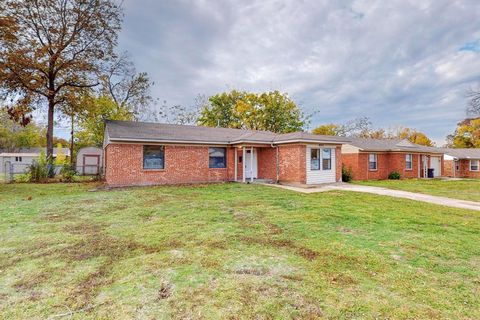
column 216, row 244
column 32, row 281
column 256, row 271
column 346, row 230
column 56, row 217
column 97, row 244
column 164, row 292
column 302, row 251
column 342, row 279
column 274, row 229
column 81, row 296
column 292, row 277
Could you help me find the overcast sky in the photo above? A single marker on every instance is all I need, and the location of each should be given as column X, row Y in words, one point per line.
column 397, row 62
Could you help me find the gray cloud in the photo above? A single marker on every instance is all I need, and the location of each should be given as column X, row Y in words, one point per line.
column 397, row 62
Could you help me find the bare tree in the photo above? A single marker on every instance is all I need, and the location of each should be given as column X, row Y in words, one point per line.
column 179, row 114
column 127, row 88
column 359, row 127
column 50, row 47
column 473, row 108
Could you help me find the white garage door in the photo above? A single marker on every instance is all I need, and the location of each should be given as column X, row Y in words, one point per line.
column 435, row 163
column 321, row 164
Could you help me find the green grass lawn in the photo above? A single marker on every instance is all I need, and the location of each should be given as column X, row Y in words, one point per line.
column 233, row 251
column 468, row 189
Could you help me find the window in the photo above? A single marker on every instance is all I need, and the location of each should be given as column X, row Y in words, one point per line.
column 18, row 159
column 153, row 157
column 408, row 161
column 474, row 165
column 217, row 157
column 315, row 159
column 457, row 166
column 327, row 159
column 372, row 161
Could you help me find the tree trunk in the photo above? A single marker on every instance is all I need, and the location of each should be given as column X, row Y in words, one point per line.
column 71, row 141
column 51, row 106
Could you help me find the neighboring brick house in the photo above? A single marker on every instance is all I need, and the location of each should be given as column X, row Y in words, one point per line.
column 140, row 153
column 462, row 163
column 375, row 159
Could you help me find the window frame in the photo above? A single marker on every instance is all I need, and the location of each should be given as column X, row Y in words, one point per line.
column 477, row 165
column 224, row 158
column 319, row 159
column 162, row 149
column 411, row 161
column 376, row 162
column 329, row 159
column 18, row 159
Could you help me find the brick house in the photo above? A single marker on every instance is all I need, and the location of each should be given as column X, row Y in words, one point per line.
column 462, row 163
column 140, row 153
column 375, row 159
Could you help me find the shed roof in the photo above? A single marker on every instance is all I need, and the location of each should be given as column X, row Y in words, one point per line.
column 162, row 132
column 31, row 152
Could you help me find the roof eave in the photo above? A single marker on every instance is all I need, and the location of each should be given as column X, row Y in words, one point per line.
column 338, row 142
column 172, row 141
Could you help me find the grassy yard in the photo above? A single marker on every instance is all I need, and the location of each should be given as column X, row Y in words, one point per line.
column 233, row 251
column 458, row 189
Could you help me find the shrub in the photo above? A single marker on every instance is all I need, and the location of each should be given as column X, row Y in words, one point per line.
column 394, row 175
column 347, row 174
column 39, row 170
column 23, row 178
column 68, row 173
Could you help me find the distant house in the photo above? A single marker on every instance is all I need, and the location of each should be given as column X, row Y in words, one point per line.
column 462, row 163
column 89, row 161
column 139, row 153
column 21, row 158
column 375, row 159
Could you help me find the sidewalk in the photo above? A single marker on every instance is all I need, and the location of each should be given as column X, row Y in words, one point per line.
column 449, row 202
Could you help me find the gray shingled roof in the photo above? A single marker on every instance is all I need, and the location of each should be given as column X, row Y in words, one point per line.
column 391, row 145
column 148, row 131
column 462, row 153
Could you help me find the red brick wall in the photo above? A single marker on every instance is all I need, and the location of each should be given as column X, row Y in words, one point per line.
column 448, row 168
column 351, row 161
column 267, row 163
column 398, row 163
column 183, row 164
column 292, row 163
column 338, row 164
column 465, row 170
column 386, row 163
column 189, row 164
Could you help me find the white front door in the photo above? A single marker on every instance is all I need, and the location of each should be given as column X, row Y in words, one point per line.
column 250, row 171
column 435, row 163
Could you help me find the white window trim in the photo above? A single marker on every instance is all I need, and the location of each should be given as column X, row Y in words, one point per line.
column 319, row 150
column 321, row 159
column 478, row 165
column 376, row 162
column 411, row 162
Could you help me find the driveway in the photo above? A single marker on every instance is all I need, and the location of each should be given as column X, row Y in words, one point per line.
column 449, row 202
